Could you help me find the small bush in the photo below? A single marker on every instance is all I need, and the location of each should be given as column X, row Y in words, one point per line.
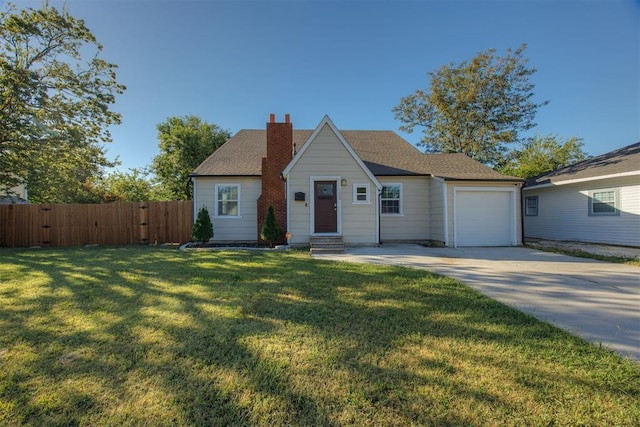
column 270, row 231
column 202, row 230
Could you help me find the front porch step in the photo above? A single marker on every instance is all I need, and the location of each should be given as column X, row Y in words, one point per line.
column 327, row 245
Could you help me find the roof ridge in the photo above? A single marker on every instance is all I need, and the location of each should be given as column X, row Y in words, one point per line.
column 384, row 152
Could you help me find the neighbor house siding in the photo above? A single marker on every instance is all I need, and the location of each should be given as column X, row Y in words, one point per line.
column 451, row 185
column 327, row 157
column 563, row 213
column 242, row 228
column 413, row 223
column 21, row 191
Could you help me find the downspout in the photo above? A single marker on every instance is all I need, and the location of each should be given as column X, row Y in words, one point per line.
column 195, row 194
column 288, row 208
column 378, row 215
column 522, row 214
column 445, row 208
column 445, row 201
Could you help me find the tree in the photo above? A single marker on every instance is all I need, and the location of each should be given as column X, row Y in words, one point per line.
column 478, row 107
column 202, row 230
column 270, row 231
column 185, row 142
column 63, row 172
column 543, row 154
column 133, row 186
column 54, row 105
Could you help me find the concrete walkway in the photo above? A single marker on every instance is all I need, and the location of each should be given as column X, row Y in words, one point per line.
column 595, row 300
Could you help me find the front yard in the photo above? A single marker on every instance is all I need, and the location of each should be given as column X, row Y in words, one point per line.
column 144, row 336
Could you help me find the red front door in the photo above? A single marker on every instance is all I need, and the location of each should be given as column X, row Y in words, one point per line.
column 325, row 207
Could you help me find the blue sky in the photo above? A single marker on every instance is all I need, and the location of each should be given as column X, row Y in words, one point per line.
column 234, row 62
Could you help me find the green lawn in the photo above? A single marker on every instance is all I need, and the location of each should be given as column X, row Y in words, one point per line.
column 145, row 336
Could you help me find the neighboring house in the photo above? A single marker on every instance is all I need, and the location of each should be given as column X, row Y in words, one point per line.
column 17, row 194
column 596, row 200
column 365, row 187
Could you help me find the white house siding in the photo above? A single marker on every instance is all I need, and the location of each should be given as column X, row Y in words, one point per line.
column 413, row 223
column 563, row 213
column 327, row 157
column 21, row 191
column 243, row 228
column 437, row 210
column 515, row 225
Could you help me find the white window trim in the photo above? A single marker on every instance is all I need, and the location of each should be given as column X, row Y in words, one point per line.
column 391, row 184
column 526, row 206
column 216, row 214
column 616, row 202
column 367, row 201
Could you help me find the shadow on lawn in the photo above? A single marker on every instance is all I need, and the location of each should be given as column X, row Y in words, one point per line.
column 167, row 337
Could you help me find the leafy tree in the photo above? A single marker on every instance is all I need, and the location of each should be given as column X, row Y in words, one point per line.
column 185, row 142
column 62, row 173
column 543, row 154
column 202, row 230
column 54, row 105
column 478, row 107
column 134, row 186
column 270, row 231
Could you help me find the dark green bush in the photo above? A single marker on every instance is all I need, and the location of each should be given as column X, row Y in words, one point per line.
column 202, row 230
column 270, row 231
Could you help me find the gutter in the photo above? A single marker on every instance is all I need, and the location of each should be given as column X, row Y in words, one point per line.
column 578, row 180
column 194, row 175
column 481, row 179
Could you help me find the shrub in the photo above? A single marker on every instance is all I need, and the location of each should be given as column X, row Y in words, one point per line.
column 270, row 231
column 202, row 230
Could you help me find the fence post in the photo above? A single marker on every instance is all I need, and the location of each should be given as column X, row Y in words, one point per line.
column 45, row 220
column 144, row 223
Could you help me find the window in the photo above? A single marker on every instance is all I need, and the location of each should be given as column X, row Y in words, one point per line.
column 604, row 202
column 391, row 199
column 531, row 206
column 227, row 200
column 361, row 194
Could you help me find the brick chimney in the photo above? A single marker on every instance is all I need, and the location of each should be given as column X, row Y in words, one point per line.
column 279, row 154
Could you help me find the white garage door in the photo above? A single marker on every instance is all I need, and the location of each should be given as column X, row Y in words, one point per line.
column 484, row 217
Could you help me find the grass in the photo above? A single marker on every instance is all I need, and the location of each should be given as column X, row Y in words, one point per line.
column 142, row 336
column 583, row 254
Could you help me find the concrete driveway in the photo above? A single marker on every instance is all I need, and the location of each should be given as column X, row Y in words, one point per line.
column 595, row 300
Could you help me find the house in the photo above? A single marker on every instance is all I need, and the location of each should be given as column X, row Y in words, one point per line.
column 361, row 186
column 14, row 195
column 596, row 200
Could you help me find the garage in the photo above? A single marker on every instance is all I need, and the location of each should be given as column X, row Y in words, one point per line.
column 484, row 216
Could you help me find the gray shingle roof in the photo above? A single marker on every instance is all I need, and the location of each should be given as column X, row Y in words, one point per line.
column 622, row 160
column 384, row 152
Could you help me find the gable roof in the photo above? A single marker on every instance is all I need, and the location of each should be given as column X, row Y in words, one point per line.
column 383, row 152
column 326, row 121
column 620, row 162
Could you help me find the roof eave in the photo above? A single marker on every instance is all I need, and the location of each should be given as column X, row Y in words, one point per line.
column 552, row 183
column 480, row 179
column 195, row 175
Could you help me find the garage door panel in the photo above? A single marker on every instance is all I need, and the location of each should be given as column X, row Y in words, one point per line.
column 484, row 218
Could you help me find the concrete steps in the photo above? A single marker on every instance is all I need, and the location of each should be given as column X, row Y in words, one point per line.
column 327, row 245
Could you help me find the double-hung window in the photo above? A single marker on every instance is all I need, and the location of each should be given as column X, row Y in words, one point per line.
column 227, row 200
column 361, row 194
column 604, row 202
column 391, row 199
column 531, row 206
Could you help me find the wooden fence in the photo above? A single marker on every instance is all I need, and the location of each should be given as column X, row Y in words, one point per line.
column 103, row 224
